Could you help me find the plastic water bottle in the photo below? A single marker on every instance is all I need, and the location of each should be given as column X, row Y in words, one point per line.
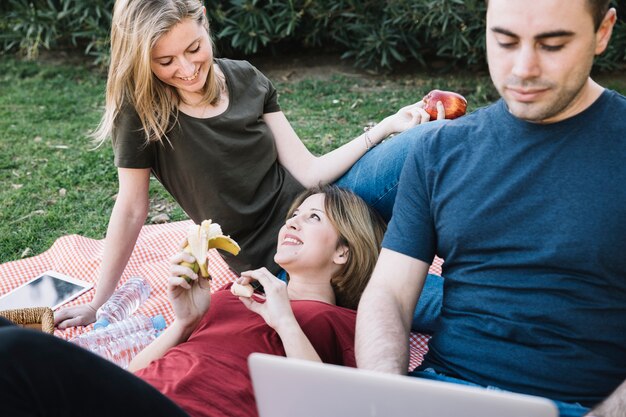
column 119, row 329
column 122, row 351
column 124, row 302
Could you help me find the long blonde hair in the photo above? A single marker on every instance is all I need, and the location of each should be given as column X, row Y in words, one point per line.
column 360, row 229
column 136, row 27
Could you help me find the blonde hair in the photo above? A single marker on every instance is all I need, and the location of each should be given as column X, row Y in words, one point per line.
column 136, row 27
column 360, row 229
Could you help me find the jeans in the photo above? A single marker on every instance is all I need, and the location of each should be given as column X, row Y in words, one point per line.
column 565, row 409
column 375, row 176
column 428, row 308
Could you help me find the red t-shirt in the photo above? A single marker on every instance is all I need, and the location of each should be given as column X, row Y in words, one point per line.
column 208, row 374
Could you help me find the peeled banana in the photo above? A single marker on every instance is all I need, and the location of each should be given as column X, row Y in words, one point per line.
column 242, row 290
column 201, row 238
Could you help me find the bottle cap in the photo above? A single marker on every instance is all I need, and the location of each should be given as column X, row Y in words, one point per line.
column 158, row 322
column 100, row 323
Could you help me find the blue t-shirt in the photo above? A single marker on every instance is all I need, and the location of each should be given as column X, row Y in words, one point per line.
column 531, row 222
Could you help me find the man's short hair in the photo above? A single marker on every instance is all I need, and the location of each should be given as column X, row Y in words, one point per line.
column 598, row 9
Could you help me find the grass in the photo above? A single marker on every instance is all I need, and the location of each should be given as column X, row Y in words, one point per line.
column 53, row 182
column 327, row 113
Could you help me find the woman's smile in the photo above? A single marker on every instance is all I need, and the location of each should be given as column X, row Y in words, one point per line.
column 193, row 77
column 291, row 240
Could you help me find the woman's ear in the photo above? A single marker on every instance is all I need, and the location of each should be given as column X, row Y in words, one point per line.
column 341, row 255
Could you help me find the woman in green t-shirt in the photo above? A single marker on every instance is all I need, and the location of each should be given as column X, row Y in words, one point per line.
column 212, row 132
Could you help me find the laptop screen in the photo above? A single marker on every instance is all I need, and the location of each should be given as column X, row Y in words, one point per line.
column 286, row 387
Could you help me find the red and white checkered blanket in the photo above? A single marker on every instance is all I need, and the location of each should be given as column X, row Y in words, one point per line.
column 80, row 257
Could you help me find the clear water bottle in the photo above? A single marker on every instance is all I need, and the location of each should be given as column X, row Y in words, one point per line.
column 124, row 302
column 119, row 329
column 121, row 351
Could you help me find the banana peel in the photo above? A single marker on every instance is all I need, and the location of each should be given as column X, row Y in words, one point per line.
column 201, row 238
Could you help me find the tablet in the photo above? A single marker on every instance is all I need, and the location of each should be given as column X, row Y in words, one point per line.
column 50, row 289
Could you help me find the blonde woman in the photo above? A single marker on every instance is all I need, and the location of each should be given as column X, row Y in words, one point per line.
column 212, row 132
column 328, row 245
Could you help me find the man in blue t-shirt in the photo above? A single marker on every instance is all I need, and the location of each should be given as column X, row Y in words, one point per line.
column 526, row 202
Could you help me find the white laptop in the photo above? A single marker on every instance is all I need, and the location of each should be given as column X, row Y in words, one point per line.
column 296, row 388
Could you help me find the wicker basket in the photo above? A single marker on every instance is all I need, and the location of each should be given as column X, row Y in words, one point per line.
column 40, row 318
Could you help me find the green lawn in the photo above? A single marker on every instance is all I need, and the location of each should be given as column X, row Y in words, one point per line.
column 54, row 182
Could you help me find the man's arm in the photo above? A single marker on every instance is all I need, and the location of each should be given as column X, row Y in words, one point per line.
column 613, row 406
column 386, row 310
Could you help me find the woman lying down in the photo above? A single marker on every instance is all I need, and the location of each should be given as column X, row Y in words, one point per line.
column 198, row 366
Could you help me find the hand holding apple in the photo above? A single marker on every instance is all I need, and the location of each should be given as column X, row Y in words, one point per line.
column 453, row 103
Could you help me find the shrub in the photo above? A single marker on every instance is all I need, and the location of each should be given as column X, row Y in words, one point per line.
column 30, row 25
column 374, row 34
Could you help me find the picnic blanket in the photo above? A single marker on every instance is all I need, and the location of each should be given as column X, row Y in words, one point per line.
column 80, row 257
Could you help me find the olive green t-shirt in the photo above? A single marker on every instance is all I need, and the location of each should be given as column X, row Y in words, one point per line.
column 224, row 168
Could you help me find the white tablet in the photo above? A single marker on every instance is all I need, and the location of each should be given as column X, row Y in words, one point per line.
column 50, row 289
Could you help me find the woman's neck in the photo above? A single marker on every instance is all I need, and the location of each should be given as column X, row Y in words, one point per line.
column 301, row 287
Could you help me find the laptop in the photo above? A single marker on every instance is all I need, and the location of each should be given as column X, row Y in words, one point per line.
column 286, row 387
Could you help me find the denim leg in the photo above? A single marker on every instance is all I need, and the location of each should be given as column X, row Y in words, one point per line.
column 570, row 409
column 282, row 275
column 430, row 373
column 375, row 176
column 428, row 308
column 565, row 409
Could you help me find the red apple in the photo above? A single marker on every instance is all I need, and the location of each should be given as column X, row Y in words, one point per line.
column 454, row 104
